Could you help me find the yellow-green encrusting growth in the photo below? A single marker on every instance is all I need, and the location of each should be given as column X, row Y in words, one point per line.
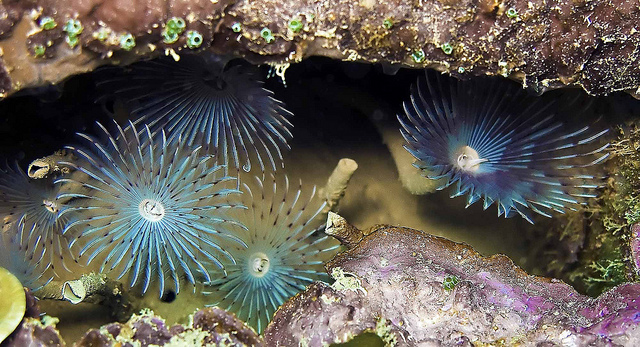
column 13, row 303
column 194, row 39
column 295, row 25
column 73, row 28
column 38, row 50
column 512, row 13
column 267, row 35
column 447, row 48
column 174, row 27
column 418, row 56
column 387, row 23
column 127, row 41
column 450, row 282
column 47, row 23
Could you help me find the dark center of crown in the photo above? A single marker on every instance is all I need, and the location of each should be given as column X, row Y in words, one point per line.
column 214, row 81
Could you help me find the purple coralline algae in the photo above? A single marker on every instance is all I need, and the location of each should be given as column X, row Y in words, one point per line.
column 210, row 326
column 412, row 288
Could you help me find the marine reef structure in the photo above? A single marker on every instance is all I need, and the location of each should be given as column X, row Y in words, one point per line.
column 148, row 207
column 208, row 102
column 34, row 203
column 412, row 288
column 496, row 142
column 209, row 326
column 286, row 250
column 542, row 44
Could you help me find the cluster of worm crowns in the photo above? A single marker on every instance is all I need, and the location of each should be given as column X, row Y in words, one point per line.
column 172, row 197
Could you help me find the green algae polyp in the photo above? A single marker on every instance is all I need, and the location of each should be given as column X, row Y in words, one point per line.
column 194, row 39
column 295, row 25
column 72, row 41
column 447, row 48
column 388, row 23
column 512, row 13
column 38, row 50
column 418, row 56
column 169, row 36
column 13, row 303
column 127, row 42
column 176, row 25
column 450, row 282
column 73, row 28
column 267, row 35
column 47, row 23
column 236, row 27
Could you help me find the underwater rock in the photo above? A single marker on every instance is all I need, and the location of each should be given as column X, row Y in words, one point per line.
column 411, row 288
column 210, row 326
column 34, row 331
column 542, row 44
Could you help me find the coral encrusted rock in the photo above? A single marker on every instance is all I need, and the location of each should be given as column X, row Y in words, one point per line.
column 412, row 288
column 543, row 44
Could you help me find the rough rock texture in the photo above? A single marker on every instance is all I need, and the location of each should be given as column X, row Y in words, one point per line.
column 412, row 288
column 32, row 331
column 211, row 326
column 593, row 44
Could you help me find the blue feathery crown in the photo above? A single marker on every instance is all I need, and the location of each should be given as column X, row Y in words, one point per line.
column 148, row 207
column 33, row 203
column 286, row 250
column 210, row 103
column 494, row 141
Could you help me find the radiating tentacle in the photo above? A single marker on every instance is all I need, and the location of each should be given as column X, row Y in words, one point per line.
column 286, row 251
column 149, row 207
column 226, row 109
column 495, row 141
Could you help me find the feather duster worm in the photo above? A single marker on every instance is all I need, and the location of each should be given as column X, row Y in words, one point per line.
column 29, row 266
column 498, row 143
column 149, row 207
column 286, row 251
column 208, row 103
column 34, row 201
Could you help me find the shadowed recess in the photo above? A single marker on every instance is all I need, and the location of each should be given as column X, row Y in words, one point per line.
column 149, row 208
column 494, row 141
column 208, row 102
column 286, row 250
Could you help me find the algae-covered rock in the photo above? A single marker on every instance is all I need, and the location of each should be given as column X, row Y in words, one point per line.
column 417, row 288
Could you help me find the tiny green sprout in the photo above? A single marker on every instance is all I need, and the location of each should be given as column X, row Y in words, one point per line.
column 418, row 56
column 461, row 69
column 450, row 282
column 127, row 41
column 270, row 39
column 169, row 36
column 236, row 27
column 447, row 48
column 194, row 39
column 72, row 41
column 295, row 25
column 73, row 27
column 387, row 23
column 38, row 50
column 512, row 13
column 265, row 32
column 176, row 25
column 47, row 23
